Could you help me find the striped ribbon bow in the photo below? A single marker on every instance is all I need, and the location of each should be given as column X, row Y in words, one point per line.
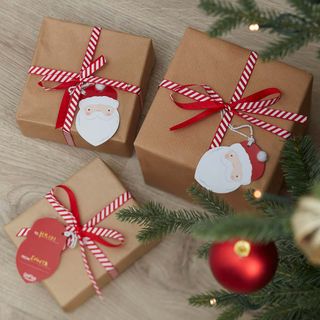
column 257, row 103
column 72, row 83
column 88, row 234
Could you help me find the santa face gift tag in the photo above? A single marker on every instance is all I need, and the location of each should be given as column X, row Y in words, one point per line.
column 225, row 169
column 98, row 117
column 39, row 255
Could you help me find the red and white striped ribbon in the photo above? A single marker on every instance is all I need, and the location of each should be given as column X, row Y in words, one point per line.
column 260, row 107
column 85, row 242
column 84, row 76
column 109, row 209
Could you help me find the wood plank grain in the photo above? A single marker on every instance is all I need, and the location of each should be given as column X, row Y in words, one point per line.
column 157, row 286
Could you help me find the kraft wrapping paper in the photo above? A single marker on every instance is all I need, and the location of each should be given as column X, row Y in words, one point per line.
column 62, row 45
column 168, row 158
column 94, row 186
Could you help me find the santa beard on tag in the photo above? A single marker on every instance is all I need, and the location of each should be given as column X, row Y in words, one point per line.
column 98, row 117
column 97, row 123
column 225, row 169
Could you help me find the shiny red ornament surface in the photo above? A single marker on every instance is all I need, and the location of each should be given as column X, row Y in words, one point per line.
column 246, row 273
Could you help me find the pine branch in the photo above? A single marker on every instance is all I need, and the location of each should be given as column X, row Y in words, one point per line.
column 285, row 45
column 303, row 7
column 222, row 298
column 223, row 26
column 290, row 285
column 233, row 312
column 248, row 5
column 233, row 304
column 233, row 16
column 202, row 300
column 244, row 226
column 203, row 250
column 158, row 221
column 301, row 165
column 294, row 292
column 271, row 205
column 299, row 275
column 216, row 8
column 296, row 29
column 289, row 254
column 209, row 201
column 285, row 311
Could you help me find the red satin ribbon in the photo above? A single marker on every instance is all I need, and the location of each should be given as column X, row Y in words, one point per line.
column 211, row 106
column 65, row 101
column 78, row 227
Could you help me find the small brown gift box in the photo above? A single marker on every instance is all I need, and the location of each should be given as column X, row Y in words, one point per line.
column 169, row 158
column 62, row 45
column 94, row 186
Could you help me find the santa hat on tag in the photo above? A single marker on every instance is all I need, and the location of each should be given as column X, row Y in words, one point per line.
column 253, row 161
column 98, row 94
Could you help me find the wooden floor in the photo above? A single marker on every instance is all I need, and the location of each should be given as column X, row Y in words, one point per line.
column 157, row 286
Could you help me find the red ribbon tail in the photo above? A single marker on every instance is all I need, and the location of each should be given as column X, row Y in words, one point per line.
column 194, row 119
column 65, row 99
column 63, row 110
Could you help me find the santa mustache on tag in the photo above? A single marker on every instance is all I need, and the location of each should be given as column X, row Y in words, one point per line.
column 98, row 117
column 225, row 169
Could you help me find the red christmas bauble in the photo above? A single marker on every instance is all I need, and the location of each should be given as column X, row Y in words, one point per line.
column 243, row 266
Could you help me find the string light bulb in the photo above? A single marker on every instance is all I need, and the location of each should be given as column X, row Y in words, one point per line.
column 213, row 301
column 254, row 27
column 257, row 194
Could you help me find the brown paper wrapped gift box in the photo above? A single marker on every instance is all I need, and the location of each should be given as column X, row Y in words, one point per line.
column 94, row 186
column 62, row 45
column 168, row 158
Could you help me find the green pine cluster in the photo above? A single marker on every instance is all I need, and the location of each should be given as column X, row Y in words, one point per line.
column 294, row 293
column 294, row 30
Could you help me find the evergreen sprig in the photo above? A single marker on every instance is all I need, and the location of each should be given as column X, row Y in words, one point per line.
column 300, row 164
column 295, row 30
column 158, row 221
column 203, row 250
column 209, row 201
column 271, row 205
column 234, row 311
column 287, row 45
column 255, row 228
column 222, row 298
column 294, row 292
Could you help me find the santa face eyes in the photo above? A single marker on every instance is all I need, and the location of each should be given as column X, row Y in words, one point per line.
column 108, row 111
column 236, row 174
column 88, row 110
column 235, row 177
column 230, row 155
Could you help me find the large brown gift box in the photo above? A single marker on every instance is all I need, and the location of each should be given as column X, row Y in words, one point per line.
column 62, row 45
column 169, row 158
column 94, row 186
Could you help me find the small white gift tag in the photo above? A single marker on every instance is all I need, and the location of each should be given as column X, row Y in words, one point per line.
column 225, row 169
column 98, row 118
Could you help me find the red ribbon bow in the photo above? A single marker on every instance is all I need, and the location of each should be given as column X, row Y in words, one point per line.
column 73, row 82
column 88, row 234
column 211, row 102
